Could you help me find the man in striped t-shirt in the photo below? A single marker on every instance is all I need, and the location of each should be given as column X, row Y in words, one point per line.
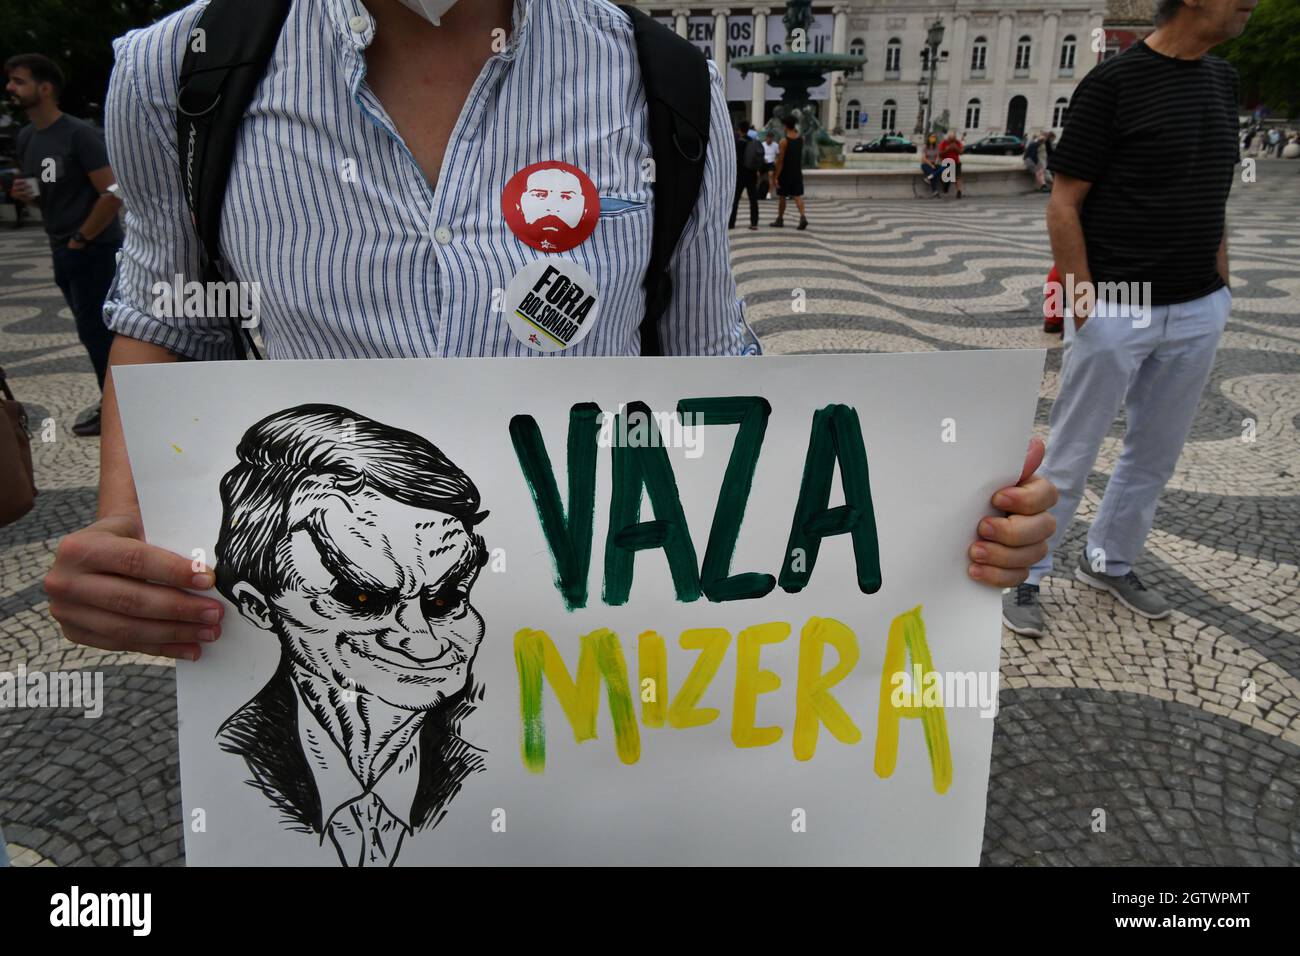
column 1139, row 236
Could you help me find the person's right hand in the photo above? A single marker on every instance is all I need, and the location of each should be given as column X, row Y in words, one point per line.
column 22, row 190
column 109, row 589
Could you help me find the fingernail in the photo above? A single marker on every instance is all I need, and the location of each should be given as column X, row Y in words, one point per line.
column 979, row 552
column 192, row 655
column 207, row 634
column 203, row 581
column 986, row 529
column 1003, row 501
column 974, row 571
column 211, row 616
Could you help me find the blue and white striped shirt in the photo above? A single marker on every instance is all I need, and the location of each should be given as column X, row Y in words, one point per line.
column 378, row 264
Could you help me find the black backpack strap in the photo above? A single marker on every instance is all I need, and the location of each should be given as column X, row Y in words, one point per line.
column 676, row 77
column 217, row 83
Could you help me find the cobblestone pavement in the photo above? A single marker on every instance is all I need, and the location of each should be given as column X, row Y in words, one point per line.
column 1182, row 736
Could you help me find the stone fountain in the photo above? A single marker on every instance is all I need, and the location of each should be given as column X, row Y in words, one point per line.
column 795, row 74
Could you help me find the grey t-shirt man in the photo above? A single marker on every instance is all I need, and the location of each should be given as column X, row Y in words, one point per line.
column 60, row 156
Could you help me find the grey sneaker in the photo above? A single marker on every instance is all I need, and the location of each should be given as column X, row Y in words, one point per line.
column 1020, row 610
column 1127, row 588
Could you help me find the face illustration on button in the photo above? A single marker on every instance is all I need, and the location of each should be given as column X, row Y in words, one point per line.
column 552, row 201
column 550, row 206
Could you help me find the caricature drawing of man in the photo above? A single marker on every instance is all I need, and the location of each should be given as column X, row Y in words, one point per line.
column 353, row 543
column 552, row 204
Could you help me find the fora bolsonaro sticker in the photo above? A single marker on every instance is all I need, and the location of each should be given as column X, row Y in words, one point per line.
column 551, row 206
column 551, row 304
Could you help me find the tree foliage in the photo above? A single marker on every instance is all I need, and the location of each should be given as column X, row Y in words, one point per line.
column 1267, row 55
column 78, row 35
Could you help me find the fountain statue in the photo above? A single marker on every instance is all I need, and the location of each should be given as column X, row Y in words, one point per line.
column 795, row 74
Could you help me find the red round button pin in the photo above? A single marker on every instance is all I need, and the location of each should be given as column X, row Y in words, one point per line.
column 551, row 206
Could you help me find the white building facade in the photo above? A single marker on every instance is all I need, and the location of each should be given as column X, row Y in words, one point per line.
column 1003, row 66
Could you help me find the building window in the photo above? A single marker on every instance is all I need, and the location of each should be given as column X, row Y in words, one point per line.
column 979, row 57
column 888, row 115
column 853, row 116
column 857, row 48
column 973, row 114
column 1058, row 112
column 925, row 61
column 1024, row 49
column 1067, row 55
column 893, row 58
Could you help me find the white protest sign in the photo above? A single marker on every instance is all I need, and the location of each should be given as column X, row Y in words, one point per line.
column 607, row 611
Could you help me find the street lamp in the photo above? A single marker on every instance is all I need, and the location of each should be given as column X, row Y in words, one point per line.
column 933, row 39
column 838, row 86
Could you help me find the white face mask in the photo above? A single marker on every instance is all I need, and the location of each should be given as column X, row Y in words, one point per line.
column 431, row 10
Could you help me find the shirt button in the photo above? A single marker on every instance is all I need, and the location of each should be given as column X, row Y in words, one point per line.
column 359, row 24
column 442, row 234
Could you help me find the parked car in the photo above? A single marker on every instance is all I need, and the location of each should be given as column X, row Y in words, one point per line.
column 1005, row 145
column 886, row 144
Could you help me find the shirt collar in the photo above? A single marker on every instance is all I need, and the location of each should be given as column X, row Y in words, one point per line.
column 347, row 15
column 338, row 786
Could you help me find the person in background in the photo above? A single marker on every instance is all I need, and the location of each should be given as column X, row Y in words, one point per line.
column 1040, row 163
column 1033, row 147
column 950, row 155
column 930, row 167
column 789, row 172
column 1160, row 244
column 65, row 172
column 749, row 163
column 1261, row 142
column 770, row 149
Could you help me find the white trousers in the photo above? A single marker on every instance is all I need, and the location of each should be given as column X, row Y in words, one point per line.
column 1156, row 364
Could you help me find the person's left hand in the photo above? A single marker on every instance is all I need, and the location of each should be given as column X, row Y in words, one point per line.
column 1008, row 547
column 74, row 244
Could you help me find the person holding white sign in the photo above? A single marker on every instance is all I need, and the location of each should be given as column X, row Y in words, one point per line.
column 372, row 217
